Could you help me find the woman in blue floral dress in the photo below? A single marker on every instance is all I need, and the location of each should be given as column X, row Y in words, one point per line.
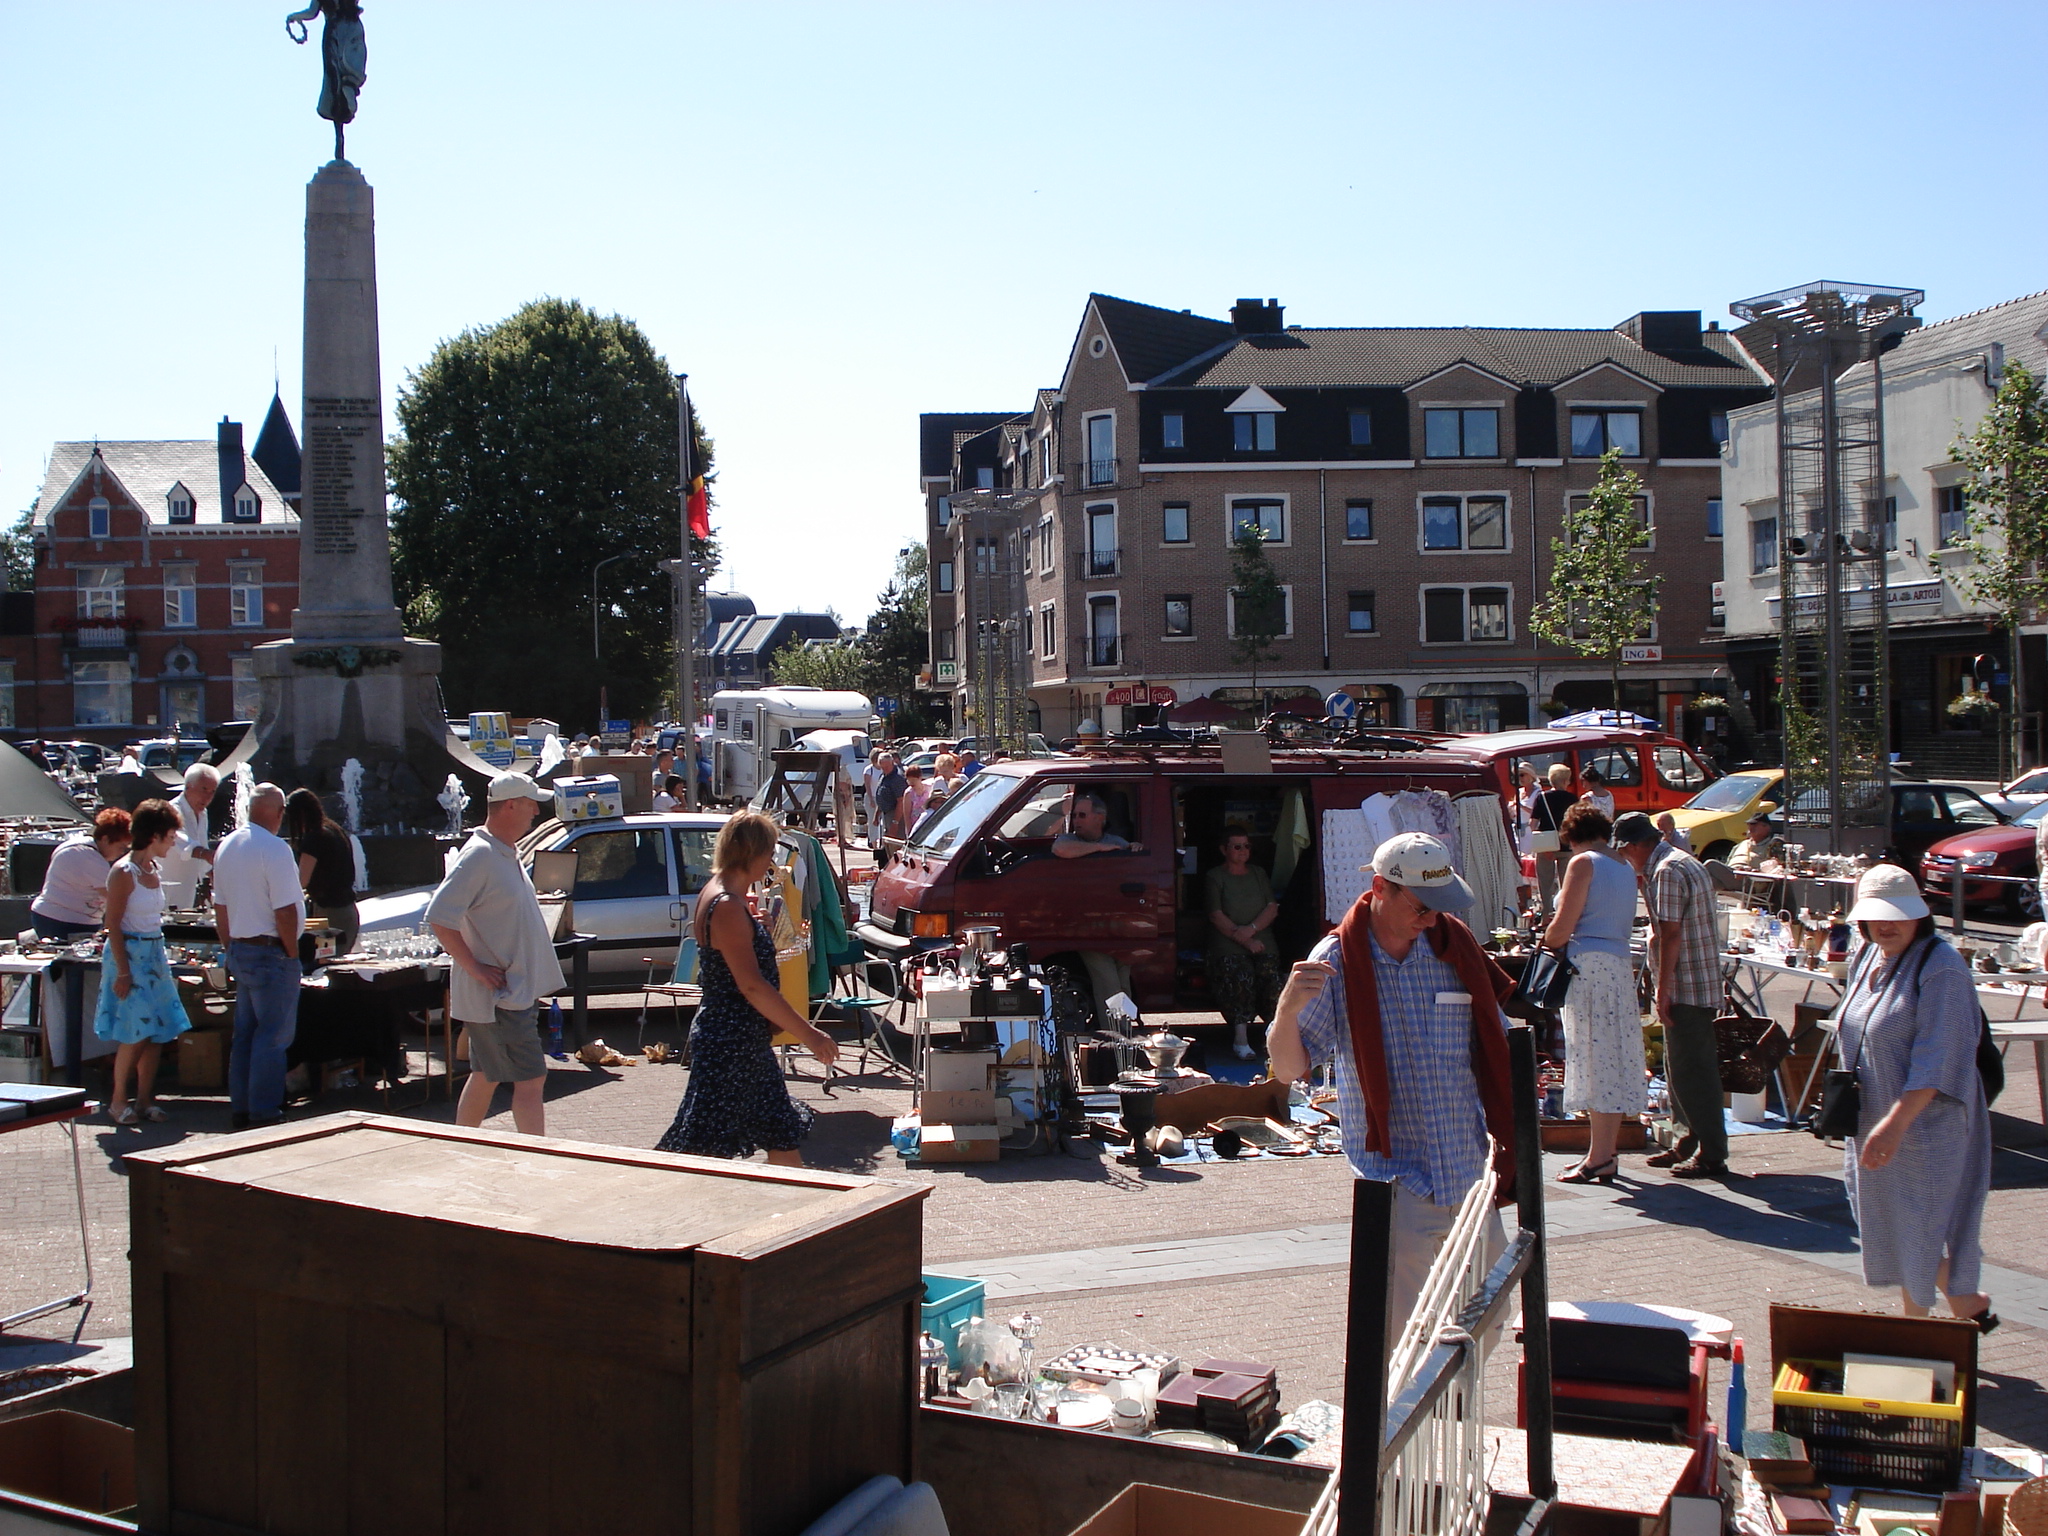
column 737, row 1103
column 139, row 1007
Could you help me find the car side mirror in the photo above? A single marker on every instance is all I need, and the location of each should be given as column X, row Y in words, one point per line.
column 1767, row 807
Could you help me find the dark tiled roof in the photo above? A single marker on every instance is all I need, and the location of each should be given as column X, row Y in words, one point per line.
column 1149, row 340
column 277, row 448
column 1398, row 356
column 935, row 431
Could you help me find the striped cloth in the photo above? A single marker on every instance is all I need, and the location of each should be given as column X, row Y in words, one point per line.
column 1680, row 891
column 1438, row 1131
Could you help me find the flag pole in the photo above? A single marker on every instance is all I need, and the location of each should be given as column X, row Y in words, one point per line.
column 686, row 601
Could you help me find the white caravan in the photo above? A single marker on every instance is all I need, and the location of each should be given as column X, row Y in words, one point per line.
column 748, row 724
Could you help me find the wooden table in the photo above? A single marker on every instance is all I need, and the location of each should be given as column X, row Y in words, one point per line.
column 68, row 1119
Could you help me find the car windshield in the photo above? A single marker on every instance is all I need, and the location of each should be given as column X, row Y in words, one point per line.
column 963, row 811
column 2032, row 816
column 1730, row 794
column 2035, row 783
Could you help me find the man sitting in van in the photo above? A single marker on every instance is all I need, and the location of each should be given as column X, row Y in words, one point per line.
column 1088, row 833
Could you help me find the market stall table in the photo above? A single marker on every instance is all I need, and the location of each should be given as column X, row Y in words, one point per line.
column 70, row 1111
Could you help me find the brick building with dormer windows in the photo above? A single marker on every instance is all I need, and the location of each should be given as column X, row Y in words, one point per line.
column 159, row 567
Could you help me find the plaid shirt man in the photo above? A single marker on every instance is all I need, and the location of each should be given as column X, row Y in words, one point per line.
column 1437, row 1130
column 1679, row 890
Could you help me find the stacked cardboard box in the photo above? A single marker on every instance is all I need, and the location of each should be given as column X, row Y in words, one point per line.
column 959, row 1112
column 490, row 737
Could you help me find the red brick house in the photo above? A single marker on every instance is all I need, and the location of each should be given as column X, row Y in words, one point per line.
column 159, row 567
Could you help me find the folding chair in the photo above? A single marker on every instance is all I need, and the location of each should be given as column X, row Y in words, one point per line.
column 868, row 1035
column 680, row 988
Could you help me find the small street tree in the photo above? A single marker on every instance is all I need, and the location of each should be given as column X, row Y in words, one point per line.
column 1601, row 595
column 1259, row 615
column 2007, row 494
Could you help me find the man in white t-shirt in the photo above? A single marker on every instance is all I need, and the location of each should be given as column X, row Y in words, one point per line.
column 191, row 855
column 260, row 909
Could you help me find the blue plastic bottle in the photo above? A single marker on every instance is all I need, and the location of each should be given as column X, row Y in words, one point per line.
column 555, row 1030
column 1738, row 1399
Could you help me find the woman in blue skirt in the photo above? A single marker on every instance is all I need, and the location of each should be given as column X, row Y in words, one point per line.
column 139, row 1006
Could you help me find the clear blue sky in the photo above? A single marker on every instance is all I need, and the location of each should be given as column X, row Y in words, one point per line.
column 835, row 217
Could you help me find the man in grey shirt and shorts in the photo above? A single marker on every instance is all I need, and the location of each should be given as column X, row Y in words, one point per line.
column 488, row 919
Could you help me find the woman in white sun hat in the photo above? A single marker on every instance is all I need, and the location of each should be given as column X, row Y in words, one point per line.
column 1919, row 1166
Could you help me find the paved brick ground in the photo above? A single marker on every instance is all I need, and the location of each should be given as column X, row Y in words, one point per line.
column 1781, row 1234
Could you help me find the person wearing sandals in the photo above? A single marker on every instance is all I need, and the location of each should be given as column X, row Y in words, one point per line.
column 139, row 1007
column 1603, row 1027
column 1918, row 1168
column 737, row 1103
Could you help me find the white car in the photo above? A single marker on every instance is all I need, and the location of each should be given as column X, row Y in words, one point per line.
column 2029, row 789
column 636, row 877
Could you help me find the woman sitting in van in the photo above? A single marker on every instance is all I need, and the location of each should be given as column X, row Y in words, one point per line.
column 1242, row 968
column 1597, row 794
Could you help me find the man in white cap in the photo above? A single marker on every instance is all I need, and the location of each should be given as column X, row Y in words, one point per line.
column 488, row 918
column 1420, row 1048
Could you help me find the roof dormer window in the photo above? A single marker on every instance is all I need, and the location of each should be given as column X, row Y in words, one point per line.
column 99, row 519
column 247, row 506
column 181, row 504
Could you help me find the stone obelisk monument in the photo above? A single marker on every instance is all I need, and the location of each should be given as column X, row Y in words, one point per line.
column 348, row 684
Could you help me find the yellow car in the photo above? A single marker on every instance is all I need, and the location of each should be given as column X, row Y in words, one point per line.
column 1715, row 818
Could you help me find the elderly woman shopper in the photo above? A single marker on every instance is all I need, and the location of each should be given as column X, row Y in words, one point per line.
column 737, row 1103
column 1919, row 1166
column 1603, row 1026
column 139, row 1007
column 73, row 900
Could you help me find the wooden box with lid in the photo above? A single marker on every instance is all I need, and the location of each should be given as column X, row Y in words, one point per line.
column 362, row 1324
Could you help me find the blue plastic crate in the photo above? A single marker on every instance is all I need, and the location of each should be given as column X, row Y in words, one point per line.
column 949, row 1301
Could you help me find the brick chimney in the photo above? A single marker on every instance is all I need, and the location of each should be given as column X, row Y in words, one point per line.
column 234, row 469
column 1250, row 317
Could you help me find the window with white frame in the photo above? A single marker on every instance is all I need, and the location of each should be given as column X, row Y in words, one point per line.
column 181, row 596
column 1578, row 504
column 1045, row 545
column 1466, row 615
column 1464, row 523
column 1173, row 523
column 1283, row 627
column 1101, row 450
column 1179, row 615
column 180, row 504
column 1254, row 431
column 6, row 694
column 942, row 576
column 1461, row 433
column 1102, row 539
column 1763, row 545
column 1358, row 522
column 99, row 519
column 1046, row 467
column 1596, row 431
column 246, row 508
column 1173, row 430
column 248, row 692
column 1267, row 514
column 102, row 693
column 1048, row 632
column 1713, row 517
column 102, row 592
column 245, row 594
column 1952, row 511
column 1105, row 640
column 1360, row 611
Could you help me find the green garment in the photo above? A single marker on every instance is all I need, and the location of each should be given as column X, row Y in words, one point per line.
column 1241, row 898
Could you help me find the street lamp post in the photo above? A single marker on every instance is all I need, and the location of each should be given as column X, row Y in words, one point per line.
column 603, row 693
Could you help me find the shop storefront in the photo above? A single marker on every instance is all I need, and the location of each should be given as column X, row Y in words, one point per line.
column 1483, row 706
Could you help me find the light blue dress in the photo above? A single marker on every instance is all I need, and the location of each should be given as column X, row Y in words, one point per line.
column 1927, row 1204
column 152, row 1011
column 1603, row 1026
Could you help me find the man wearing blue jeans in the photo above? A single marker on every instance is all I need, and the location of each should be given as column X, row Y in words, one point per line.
column 260, row 908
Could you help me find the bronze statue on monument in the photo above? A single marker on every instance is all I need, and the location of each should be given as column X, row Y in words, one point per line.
column 344, row 59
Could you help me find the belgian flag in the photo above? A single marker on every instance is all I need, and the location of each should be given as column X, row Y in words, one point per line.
column 697, row 500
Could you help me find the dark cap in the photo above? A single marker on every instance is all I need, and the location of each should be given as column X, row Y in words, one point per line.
column 1763, row 817
column 1635, row 827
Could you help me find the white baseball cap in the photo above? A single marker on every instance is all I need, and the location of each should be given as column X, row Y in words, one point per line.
column 1422, row 864
column 1887, row 894
column 517, row 786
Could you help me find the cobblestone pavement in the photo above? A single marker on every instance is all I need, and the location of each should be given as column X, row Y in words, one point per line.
column 1241, row 1259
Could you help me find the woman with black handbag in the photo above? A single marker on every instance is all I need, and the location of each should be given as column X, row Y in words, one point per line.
column 1603, row 1022
column 1918, row 1167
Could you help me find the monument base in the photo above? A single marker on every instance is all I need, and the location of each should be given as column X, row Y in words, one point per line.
column 327, row 702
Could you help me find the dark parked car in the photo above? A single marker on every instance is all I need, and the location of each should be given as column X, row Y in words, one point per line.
column 1922, row 815
column 2009, row 850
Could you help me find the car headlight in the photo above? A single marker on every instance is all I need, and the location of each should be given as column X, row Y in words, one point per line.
column 1981, row 860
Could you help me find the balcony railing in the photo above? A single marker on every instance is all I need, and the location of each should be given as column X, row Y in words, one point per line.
column 1109, row 651
column 1091, row 564
column 1097, row 471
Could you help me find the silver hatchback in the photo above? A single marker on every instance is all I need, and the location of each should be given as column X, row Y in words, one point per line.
column 637, row 877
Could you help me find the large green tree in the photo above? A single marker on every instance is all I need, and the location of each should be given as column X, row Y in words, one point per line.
column 1602, row 595
column 2007, row 492
column 528, row 451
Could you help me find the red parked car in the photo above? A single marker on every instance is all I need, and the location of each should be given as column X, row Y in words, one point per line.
column 2003, row 850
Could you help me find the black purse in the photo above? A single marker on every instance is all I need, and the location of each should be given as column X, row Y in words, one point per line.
column 1839, row 1113
column 1546, row 978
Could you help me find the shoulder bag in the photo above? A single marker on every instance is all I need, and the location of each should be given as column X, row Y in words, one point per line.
column 1839, row 1112
column 1545, row 979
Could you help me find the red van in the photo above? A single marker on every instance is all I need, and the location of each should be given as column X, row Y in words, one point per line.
column 1646, row 770
column 986, row 855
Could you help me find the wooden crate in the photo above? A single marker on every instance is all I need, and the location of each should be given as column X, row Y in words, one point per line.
column 362, row 1324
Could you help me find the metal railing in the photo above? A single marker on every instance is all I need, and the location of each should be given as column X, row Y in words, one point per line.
column 1109, row 651
column 1414, row 1419
column 1092, row 563
column 1097, row 472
